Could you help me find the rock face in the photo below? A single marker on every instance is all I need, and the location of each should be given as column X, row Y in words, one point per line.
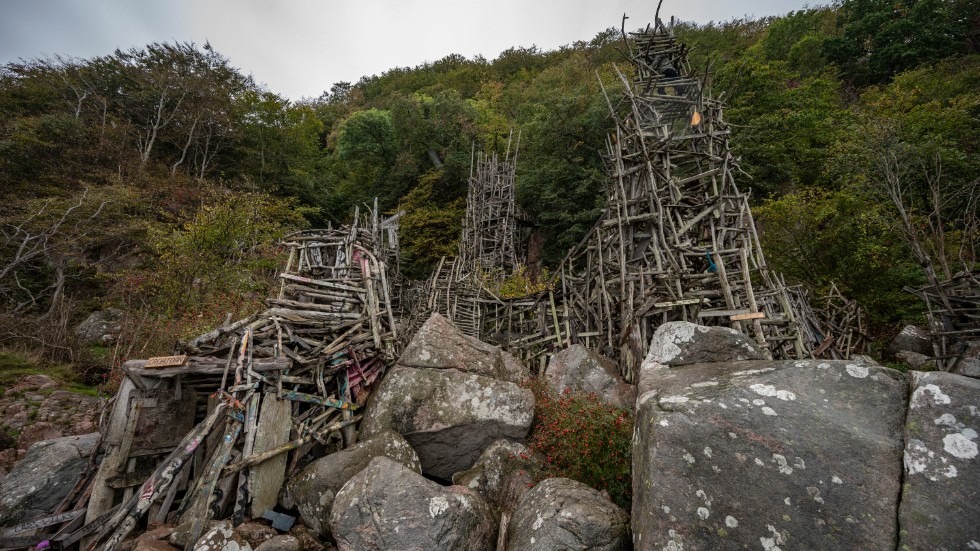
column 439, row 345
column 683, row 343
column 786, row 454
column 390, row 507
column 101, row 327
column 499, row 475
column 312, row 490
column 578, row 368
column 44, row 477
column 915, row 360
column 221, row 537
column 941, row 494
column 969, row 364
column 448, row 417
column 560, row 513
column 912, row 339
column 39, row 409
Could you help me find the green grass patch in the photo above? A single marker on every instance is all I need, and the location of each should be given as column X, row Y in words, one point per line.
column 14, row 365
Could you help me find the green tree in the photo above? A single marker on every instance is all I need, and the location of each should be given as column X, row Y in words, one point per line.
column 880, row 38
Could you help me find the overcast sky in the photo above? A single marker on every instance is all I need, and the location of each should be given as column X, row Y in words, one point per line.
column 300, row 47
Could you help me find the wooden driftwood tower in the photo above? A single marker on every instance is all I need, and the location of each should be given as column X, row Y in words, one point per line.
column 677, row 240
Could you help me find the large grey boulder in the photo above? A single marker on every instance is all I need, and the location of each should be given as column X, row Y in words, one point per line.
column 912, row 339
column 313, row 489
column 390, row 507
column 440, row 345
column 577, row 368
column 501, row 474
column 941, row 493
column 559, row 513
column 42, row 479
column 679, row 343
column 449, row 417
column 101, row 327
column 768, row 454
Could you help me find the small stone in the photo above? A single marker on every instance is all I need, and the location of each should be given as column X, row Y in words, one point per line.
column 280, row 543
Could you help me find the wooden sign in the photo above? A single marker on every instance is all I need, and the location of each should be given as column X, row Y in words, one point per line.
column 166, row 361
column 748, row 316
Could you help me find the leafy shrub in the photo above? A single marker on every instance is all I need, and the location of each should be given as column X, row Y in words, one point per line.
column 580, row 437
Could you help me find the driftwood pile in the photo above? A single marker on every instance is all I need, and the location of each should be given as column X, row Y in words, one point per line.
column 214, row 432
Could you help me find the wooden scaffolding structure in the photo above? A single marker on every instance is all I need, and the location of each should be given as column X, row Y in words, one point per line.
column 490, row 244
column 676, row 241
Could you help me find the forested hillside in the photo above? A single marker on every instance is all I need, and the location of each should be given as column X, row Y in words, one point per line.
column 158, row 179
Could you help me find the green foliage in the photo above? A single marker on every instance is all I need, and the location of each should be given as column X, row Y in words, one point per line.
column 880, row 38
column 821, row 237
column 430, row 228
column 787, row 123
column 227, row 246
column 582, row 438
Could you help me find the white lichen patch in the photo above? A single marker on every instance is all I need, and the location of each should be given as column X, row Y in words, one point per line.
column 665, row 509
column 753, row 371
column 663, row 423
column 856, row 371
column 688, row 457
column 707, row 452
column 783, row 465
column 961, row 445
column 836, row 480
column 769, row 411
column 703, row 513
column 705, row 384
column 437, row 506
column 928, row 395
column 759, row 462
column 770, row 390
column 758, row 402
column 946, row 420
column 674, row 400
column 538, row 523
column 770, row 543
column 731, row 522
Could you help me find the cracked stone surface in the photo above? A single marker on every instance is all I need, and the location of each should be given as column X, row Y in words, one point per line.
column 388, row 506
column 772, row 455
column 941, row 492
column 312, row 490
column 44, row 477
column 449, row 417
column 440, row 345
column 559, row 513
column 580, row 369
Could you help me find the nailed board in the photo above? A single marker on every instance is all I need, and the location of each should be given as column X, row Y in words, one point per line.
column 166, row 361
column 748, row 316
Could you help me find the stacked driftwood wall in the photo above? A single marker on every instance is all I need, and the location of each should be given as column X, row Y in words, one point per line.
column 213, row 432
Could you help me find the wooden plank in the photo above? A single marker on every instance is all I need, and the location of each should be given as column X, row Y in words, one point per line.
column 204, row 365
column 747, row 316
column 275, row 417
column 102, row 495
column 42, row 522
column 722, row 313
column 166, row 361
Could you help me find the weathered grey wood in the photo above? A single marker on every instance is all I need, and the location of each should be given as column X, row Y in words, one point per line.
column 101, row 499
column 266, row 479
